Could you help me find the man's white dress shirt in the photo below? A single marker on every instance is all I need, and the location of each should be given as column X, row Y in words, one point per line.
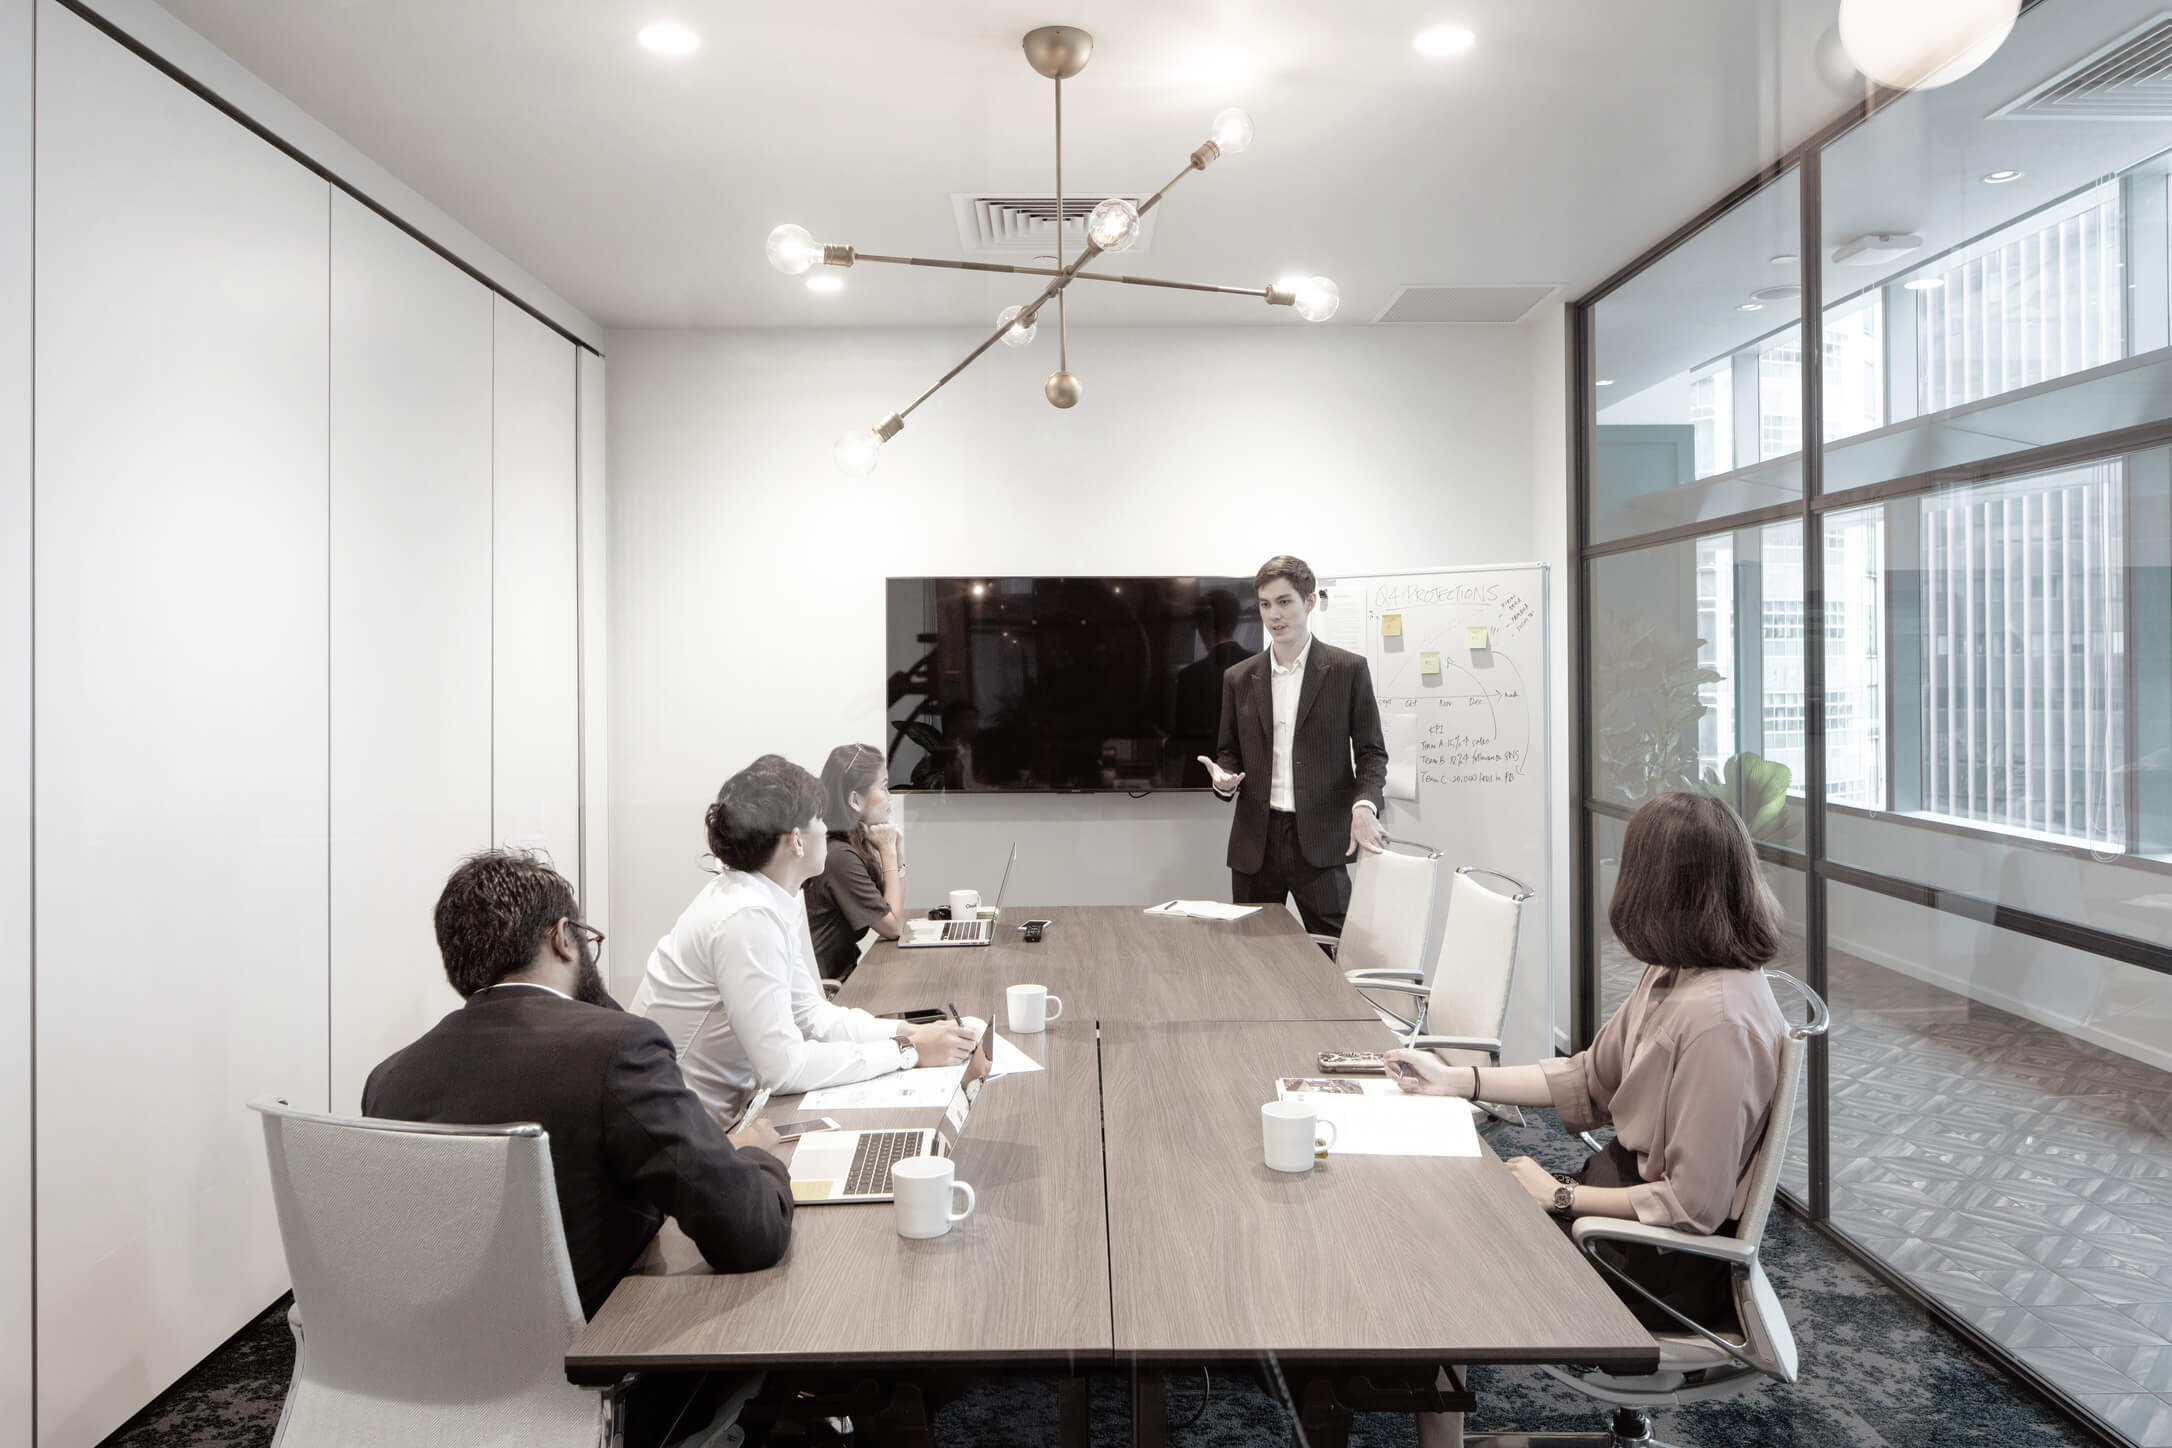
column 1287, row 685
column 735, row 987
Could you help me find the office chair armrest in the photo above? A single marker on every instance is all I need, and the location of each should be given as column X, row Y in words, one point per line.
column 1590, row 1230
column 1403, row 980
column 1488, row 1044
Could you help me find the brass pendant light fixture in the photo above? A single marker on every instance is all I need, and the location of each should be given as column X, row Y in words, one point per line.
column 1058, row 52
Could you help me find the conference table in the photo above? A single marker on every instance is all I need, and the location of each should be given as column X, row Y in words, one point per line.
column 1124, row 1216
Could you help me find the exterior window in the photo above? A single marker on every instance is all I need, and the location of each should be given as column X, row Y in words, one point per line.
column 2024, row 721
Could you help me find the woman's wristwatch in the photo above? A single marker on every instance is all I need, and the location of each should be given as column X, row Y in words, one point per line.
column 1564, row 1202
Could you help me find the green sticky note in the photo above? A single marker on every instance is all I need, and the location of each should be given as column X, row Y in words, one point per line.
column 1477, row 636
column 1391, row 625
column 1429, row 663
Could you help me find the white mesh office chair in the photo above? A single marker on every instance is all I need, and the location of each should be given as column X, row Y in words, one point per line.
column 1456, row 1008
column 1702, row 1361
column 1389, row 923
column 433, row 1298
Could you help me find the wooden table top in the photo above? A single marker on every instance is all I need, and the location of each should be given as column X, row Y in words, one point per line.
column 1025, row 1277
column 1123, row 1208
column 1213, row 1253
column 1117, row 963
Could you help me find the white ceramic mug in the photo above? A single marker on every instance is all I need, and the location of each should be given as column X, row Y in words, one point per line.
column 1032, row 1008
column 1293, row 1135
column 964, row 904
column 924, row 1186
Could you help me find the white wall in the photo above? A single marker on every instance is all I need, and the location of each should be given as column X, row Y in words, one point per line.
column 747, row 572
column 180, row 715
column 18, row 21
column 410, row 619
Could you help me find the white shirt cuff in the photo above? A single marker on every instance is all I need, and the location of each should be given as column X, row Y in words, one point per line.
column 1367, row 804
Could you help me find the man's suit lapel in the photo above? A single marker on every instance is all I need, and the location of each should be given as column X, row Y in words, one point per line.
column 1316, row 667
column 1260, row 709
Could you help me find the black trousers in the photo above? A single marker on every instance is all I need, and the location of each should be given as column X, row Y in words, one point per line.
column 1700, row 1288
column 1323, row 894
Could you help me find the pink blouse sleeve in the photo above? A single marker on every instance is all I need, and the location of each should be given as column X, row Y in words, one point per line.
column 1717, row 1100
column 1583, row 1085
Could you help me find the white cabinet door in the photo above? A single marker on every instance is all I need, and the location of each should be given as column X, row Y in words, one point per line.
column 410, row 508
column 16, row 19
column 536, row 713
column 180, row 715
column 595, row 885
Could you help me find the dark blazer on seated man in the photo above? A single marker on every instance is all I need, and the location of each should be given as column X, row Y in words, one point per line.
column 1301, row 752
column 630, row 1144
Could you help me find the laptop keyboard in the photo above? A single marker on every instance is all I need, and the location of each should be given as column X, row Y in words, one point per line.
column 961, row 930
column 873, row 1157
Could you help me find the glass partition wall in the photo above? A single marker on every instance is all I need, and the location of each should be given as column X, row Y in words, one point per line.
column 1910, row 610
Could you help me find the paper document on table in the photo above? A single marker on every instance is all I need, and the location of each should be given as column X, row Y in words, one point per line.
column 1203, row 909
column 922, row 1086
column 1005, row 1059
column 1400, row 733
column 1376, row 1123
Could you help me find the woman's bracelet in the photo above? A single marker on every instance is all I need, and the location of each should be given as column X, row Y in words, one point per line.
column 1474, row 1084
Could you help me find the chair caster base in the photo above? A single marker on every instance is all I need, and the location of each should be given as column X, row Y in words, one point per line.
column 1631, row 1428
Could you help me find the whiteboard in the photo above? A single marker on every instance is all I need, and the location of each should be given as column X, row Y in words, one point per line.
column 1467, row 739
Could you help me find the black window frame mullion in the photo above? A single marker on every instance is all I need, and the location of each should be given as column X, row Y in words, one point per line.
column 1811, row 251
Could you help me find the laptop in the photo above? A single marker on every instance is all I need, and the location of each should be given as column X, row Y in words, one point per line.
column 921, row 934
column 854, row 1166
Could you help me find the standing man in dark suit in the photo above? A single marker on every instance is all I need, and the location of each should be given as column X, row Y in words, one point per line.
column 1301, row 752
column 541, row 1040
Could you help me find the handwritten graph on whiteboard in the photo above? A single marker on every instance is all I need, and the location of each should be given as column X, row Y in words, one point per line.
column 1457, row 653
column 1461, row 678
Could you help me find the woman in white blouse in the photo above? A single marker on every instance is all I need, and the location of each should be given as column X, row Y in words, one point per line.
column 734, row 982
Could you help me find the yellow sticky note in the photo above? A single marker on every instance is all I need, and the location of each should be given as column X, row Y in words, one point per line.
column 1391, row 625
column 1477, row 636
column 1429, row 663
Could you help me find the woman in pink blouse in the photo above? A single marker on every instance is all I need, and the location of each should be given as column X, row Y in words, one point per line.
column 1686, row 1069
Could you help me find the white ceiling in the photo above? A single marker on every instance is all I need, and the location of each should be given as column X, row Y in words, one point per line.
column 1574, row 135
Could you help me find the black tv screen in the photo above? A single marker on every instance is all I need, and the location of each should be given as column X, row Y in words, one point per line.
column 1025, row 684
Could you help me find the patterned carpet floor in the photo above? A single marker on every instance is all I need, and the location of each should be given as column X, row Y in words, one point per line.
column 1875, row 1372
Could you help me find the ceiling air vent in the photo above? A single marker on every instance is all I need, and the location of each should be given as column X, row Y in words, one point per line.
column 1445, row 306
column 1019, row 223
column 2129, row 79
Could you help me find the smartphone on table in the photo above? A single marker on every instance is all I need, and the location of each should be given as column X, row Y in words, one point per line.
column 794, row 1130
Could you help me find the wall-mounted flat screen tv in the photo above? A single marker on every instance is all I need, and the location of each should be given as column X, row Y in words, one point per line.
column 1033, row 684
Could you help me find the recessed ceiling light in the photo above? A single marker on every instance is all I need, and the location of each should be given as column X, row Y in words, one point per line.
column 1605, row 382
column 2000, row 178
column 1924, row 284
column 666, row 38
column 1776, row 294
column 1444, row 40
column 825, row 284
column 1751, row 307
column 1785, row 258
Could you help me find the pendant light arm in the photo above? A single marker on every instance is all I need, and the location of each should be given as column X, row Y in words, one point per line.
column 1272, row 295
